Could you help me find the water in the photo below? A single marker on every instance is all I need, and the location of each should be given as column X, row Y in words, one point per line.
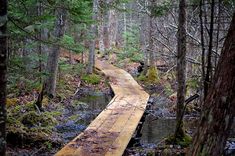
column 80, row 113
column 154, row 130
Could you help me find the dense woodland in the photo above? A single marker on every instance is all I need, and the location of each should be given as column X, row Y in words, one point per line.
column 183, row 50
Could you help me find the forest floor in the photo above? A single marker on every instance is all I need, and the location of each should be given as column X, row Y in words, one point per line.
column 160, row 121
column 80, row 98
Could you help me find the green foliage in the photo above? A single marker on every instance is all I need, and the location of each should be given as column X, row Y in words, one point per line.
column 48, row 145
column 229, row 3
column 67, row 68
column 167, row 89
column 20, row 77
column 68, row 42
column 152, row 75
column 91, row 79
column 161, row 9
column 132, row 47
column 184, row 141
column 193, row 83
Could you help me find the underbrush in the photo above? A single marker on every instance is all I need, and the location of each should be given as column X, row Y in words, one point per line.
column 91, row 79
column 28, row 126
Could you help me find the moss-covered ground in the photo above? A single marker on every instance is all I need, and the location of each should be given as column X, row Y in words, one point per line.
column 30, row 128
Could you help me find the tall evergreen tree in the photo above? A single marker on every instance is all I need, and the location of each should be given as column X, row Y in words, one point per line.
column 3, row 69
column 93, row 31
column 53, row 58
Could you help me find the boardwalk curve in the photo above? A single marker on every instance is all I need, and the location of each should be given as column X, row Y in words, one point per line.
column 111, row 131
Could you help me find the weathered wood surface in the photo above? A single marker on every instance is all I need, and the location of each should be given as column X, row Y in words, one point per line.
column 111, row 131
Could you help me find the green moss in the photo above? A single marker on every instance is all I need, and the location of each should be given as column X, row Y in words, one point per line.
column 184, row 141
column 53, row 113
column 150, row 153
column 11, row 102
column 142, row 77
column 151, row 76
column 74, row 117
column 91, row 79
column 16, row 109
column 29, row 106
column 30, row 126
column 32, row 119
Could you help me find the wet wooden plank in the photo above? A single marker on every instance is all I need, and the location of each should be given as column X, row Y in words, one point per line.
column 111, row 131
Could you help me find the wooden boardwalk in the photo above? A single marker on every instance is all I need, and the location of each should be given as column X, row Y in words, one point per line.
column 110, row 133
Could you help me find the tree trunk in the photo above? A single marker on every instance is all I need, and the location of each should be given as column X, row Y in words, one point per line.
column 150, row 48
column 143, row 44
column 112, row 27
column 218, row 32
column 202, row 44
column 181, row 69
column 3, row 71
column 91, row 57
column 39, row 48
column 53, row 58
column 208, row 75
column 101, row 29
column 219, row 106
column 125, row 25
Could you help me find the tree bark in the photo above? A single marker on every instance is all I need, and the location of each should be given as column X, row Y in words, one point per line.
column 219, row 106
column 208, row 75
column 101, row 27
column 202, row 43
column 3, row 71
column 39, row 48
column 218, row 32
column 181, row 68
column 143, row 42
column 91, row 57
column 53, row 58
column 112, row 28
column 150, row 47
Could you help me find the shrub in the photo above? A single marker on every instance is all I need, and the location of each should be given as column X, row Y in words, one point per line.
column 91, row 79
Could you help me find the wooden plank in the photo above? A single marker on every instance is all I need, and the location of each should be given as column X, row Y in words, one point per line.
column 111, row 131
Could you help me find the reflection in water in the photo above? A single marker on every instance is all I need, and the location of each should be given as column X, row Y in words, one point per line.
column 155, row 130
column 96, row 103
column 77, row 118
